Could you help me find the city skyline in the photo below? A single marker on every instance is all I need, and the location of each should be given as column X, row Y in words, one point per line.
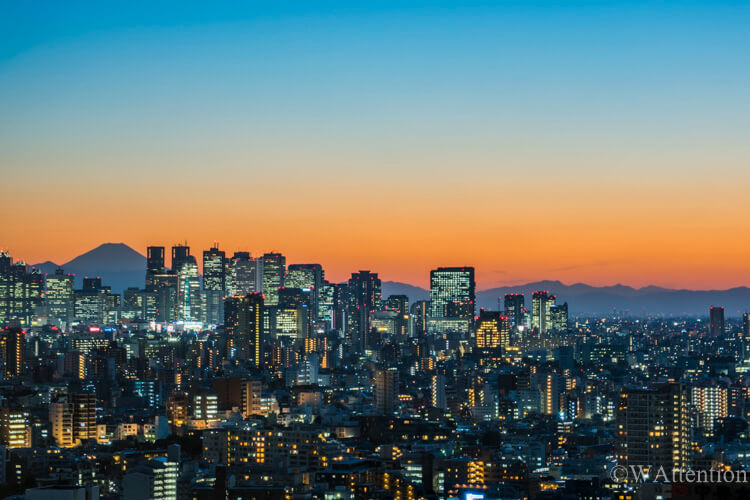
column 594, row 143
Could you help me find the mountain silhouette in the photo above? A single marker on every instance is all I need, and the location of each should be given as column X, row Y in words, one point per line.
column 118, row 265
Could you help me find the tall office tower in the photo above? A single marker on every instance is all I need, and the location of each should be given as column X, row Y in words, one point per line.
column 61, row 422
column 364, row 291
column 717, row 321
column 274, row 271
column 15, row 431
column 711, row 403
column 12, row 341
column 558, row 315
column 492, row 330
column 154, row 265
column 437, row 390
column 190, row 306
column 452, row 292
column 21, row 291
column 326, row 304
column 59, row 297
column 165, row 287
column 243, row 274
column 340, row 305
column 541, row 302
column 180, row 254
column 243, row 323
column 386, row 390
column 515, row 308
column 419, row 314
column 214, row 284
column 399, row 304
column 653, row 427
column 306, row 276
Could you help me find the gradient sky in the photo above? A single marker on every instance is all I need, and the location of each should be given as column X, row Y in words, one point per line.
column 603, row 142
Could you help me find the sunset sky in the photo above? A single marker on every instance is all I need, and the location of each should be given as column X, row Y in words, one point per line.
column 533, row 140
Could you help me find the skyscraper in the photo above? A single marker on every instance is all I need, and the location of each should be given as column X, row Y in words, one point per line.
column 558, row 315
column 717, row 321
column 189, row 300
column 364, row 292
column 214, row 284
column 154, row 265
column 59, row 298
column 243, row 323
column 180, row 254
column 243, row 275
column 515, row 308
column 274, row 271
column 452, row 292
column 541, row 303
column 653, row 427
column 307, row 276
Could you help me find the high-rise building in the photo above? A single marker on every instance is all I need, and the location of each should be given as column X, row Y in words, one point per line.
column 364, row 297
column 180, row 254
column 21, row 291
column 452, row 292
column 154, row 265
column 12, row 341
column 515, row 308
column 653, row 428
column 307, row 277
column 242, row 275
column 710, row 403
column 214, row 284
column 419, row 313
column 437, row 390
column 274, row 271
column 399, row 305
column 558, row 315
column 541, row 303
column 386, row 390
column 165, row 287
column 746, row 336
column 717, row 321
column 243, row 323
column 59, row 297
column 189, row 300
column 492, row 330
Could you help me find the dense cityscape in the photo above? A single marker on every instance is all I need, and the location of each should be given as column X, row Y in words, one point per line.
column 245, row 377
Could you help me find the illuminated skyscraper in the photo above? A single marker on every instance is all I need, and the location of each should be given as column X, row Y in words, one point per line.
column 515, row 308
column 492, row 330
column 307, row 276
column 214, row 284
column 541, row 302
column 180, row 254
column 15, row 431
column 274, row 271
column 243, row 324
column 717, row 321
column 419, row 314
column 452, row 292
column 154, row 265
column 653, row 428
column 59, row 297
column 190, row 307
column 558, row 314
column 21, row 291
column 243, row 275
column 711, row 403
column 399, row 304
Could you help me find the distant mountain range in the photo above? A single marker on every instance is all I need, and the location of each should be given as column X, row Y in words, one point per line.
column 121, row 267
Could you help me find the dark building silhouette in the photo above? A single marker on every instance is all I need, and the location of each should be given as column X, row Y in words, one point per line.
column 717, row 321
